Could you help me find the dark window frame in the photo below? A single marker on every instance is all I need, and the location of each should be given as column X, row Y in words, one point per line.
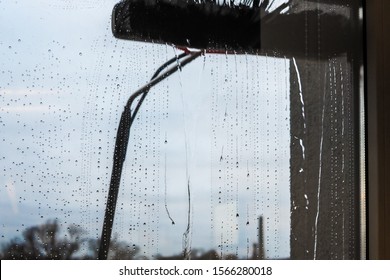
column 378, row 126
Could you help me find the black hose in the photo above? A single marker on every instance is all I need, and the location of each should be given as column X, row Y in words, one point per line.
column 121, row 143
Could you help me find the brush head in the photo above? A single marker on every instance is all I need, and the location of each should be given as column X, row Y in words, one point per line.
column 222, row 28
column 187, row 24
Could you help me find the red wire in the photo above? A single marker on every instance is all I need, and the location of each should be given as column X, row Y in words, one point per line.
column 209, row 51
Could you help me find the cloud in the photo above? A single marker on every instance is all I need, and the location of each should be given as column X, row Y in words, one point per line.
column 225, row 223
column 28, row 109
column 25, row 91
column 10, row 186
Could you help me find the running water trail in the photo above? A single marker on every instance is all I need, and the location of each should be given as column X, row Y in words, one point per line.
column 186, row 241
column 301, row 142
column 165, row 192
column 319, row 177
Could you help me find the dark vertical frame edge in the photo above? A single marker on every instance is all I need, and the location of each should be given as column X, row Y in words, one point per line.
column 378, row 127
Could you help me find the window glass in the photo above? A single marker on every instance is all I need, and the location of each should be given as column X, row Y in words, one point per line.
column 241, row 154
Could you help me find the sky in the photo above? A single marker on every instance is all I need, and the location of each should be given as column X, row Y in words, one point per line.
column 219, row 126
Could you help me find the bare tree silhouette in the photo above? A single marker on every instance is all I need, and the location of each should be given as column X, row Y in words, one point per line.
column 119, row 250
column 49, row 242
column 44, row 242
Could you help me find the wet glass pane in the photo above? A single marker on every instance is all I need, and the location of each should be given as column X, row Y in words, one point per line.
column 250, row 151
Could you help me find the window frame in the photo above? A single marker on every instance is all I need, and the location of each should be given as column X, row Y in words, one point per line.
column 377, row 62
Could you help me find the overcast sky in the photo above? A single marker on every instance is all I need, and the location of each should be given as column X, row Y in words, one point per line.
column 222, row 124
